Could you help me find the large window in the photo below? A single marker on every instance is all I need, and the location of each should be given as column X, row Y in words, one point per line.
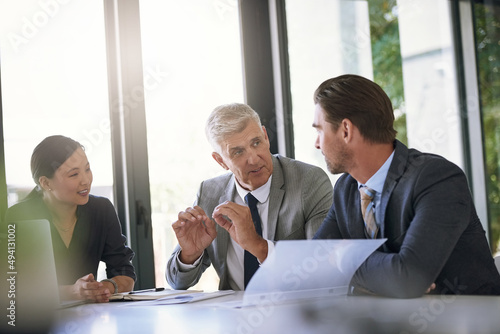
column 386, row 41
column 191, row 49
column 54, row 81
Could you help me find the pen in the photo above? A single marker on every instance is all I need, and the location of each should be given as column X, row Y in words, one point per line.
column 147, row 290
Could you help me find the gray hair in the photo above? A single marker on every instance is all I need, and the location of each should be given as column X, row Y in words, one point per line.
column 227, row 120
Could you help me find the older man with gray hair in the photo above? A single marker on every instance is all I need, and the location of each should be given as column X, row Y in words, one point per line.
column 238, row 216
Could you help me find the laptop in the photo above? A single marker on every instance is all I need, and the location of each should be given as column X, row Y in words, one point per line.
column 30, row 293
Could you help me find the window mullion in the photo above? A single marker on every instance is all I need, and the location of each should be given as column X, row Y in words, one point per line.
column 128, row 132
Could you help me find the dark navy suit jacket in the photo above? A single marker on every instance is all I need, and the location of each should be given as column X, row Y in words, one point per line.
column 433, row 232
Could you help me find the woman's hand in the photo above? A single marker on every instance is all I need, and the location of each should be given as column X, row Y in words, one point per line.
column 86, row 288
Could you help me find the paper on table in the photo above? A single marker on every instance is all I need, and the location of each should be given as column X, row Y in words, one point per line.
column 185, row 298
column 127, row 296
column 308, row 268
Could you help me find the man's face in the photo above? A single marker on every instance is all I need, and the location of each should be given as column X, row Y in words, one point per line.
column 247, row 155
column 330, row 143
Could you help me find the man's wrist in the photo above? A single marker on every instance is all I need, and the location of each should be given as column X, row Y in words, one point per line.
column 189, row 259
column 259, row 249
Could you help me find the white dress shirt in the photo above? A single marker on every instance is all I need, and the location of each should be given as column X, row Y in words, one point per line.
column 235, row 254
column 376, row 182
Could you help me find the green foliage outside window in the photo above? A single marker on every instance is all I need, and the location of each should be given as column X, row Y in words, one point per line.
column 387, row 68
column 386, row 54
column 487, row 31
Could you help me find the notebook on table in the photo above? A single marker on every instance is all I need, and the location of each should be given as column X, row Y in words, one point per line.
column 149, row 295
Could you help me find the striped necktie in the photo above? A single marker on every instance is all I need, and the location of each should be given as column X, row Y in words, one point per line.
column 368, row 211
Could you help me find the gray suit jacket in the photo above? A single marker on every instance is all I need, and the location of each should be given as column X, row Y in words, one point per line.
column 432, row 230
column 300, row 197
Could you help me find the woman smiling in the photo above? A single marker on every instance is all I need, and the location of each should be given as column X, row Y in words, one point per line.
column 85, row 228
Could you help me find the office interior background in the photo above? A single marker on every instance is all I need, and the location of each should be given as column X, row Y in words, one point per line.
column 134, row 80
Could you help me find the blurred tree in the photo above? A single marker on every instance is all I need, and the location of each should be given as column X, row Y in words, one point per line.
column 386, row 54
column 487, row 36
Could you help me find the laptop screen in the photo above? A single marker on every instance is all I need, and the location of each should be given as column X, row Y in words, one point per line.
column 30, row 291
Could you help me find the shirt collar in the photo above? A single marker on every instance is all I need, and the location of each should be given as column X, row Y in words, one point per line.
column 261, row 194
column 376, row 182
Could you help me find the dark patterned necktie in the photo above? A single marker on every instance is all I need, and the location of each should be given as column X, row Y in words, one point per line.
column 251, row 263
column 368, row 211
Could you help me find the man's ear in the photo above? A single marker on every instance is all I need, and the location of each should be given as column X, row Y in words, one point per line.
column 265, row 133
column 346, row 130
column 217, row 157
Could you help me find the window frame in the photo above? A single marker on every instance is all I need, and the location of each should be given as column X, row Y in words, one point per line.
column 128, row 133
column 3, row 178
column 462, row 16
column 265, row 69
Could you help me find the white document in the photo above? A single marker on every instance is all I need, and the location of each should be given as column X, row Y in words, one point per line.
column 184, row 298
column 308, row 268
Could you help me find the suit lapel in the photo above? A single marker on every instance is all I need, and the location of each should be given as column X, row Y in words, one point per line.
column 275, row 199
column 396, row 170
column 223, row 238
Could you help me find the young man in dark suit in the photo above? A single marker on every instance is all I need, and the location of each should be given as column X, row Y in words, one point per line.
column 420, row 202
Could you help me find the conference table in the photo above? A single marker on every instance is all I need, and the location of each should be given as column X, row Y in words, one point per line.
column 328, row 314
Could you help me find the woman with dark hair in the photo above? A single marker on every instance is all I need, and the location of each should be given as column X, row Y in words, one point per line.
column 85, row 228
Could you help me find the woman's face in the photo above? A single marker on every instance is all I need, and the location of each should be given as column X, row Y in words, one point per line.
column 72, row 180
